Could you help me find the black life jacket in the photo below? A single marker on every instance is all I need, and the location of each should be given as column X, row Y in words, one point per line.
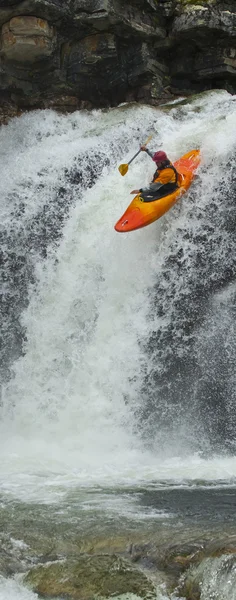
column 166, row 164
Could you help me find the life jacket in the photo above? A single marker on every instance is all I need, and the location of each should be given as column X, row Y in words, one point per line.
column 166, row 164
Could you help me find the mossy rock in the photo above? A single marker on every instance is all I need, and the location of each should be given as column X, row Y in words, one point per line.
column 89, row 576
column 196, row 2
column 191, row 99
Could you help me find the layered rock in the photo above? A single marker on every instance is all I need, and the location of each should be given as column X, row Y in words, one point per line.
column 27, row 39
column 102, row 52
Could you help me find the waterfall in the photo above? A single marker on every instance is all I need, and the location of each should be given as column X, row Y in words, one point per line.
column 118, row 351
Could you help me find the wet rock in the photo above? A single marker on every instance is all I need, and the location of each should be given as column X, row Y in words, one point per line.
column 85, row 61
column 216, row 547
column 89, row 576
column 8, row 110
column 44, row 9
column 211, row 579
column 9, row 565
column 101, row 67
column 27, row 39
column 103, row 52
column 12, row 556
column 171, row 558
column 123, row 17
column 62, row 104
column 64, row 562
column 203, row 19
column 189, row 567
column 221, row 61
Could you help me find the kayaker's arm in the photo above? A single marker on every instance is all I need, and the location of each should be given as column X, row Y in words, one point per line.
column 153, row 187
column 151, row 154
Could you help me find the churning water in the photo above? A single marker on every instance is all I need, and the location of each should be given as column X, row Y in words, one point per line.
column 118, row 351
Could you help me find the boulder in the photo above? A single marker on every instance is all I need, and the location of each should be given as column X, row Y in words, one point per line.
column 88, row 577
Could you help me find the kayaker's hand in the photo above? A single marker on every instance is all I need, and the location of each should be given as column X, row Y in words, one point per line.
column 135, row 192
column 143, row 148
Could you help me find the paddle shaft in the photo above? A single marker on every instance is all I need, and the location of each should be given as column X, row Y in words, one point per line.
column 145, row 143
column 131, row 160
column 124, row 168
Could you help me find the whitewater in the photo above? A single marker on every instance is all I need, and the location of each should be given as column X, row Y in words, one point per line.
column 111, row 343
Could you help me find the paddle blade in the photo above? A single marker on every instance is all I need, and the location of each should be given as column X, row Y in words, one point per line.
column 123, row 169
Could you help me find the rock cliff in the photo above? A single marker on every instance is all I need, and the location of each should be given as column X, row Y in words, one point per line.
column 95, row 53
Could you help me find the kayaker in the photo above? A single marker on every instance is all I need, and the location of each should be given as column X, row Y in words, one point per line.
column 165, row 178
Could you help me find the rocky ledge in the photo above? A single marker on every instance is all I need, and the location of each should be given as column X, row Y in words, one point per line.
column 191, row 571
column 95, row 53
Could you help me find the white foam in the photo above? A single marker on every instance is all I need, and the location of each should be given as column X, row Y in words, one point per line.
column 11, row 589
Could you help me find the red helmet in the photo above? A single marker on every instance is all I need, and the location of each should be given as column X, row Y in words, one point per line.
column 158, row 157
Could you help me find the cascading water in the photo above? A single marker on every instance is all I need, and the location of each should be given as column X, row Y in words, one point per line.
column 118, row 351
column 115, row 325
column 190, row 381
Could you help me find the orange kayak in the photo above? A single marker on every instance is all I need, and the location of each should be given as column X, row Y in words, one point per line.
column 139, row 213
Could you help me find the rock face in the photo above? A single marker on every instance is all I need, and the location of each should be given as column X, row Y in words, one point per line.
column 27, row 39
column 102, row 52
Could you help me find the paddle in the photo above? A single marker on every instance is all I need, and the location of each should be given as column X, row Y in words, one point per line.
column 124, row 168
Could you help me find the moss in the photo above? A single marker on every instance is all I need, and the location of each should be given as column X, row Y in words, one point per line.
column 88, row 577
